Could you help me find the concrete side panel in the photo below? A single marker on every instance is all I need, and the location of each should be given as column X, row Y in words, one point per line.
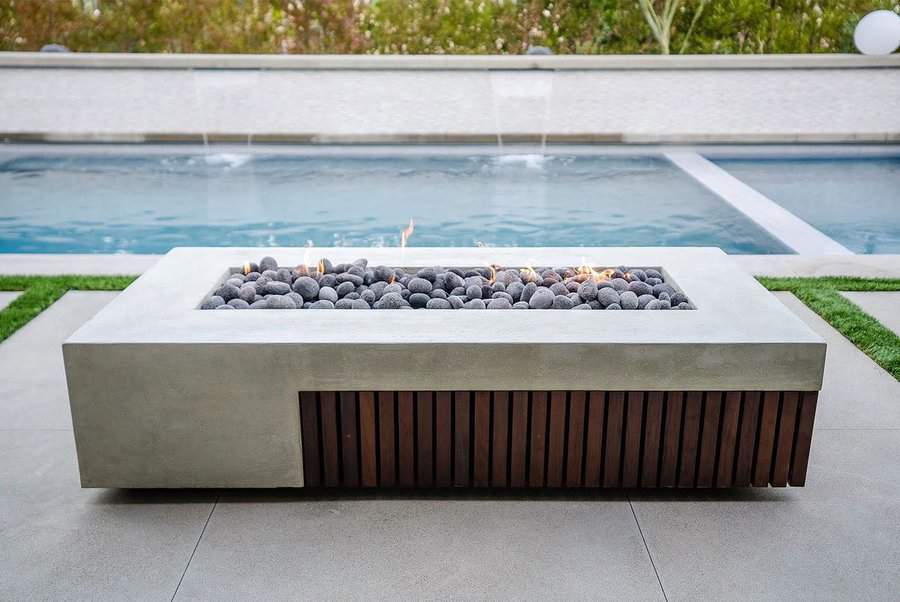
column 153, row 416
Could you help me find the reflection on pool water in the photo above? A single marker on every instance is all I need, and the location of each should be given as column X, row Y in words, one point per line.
column 107, row 202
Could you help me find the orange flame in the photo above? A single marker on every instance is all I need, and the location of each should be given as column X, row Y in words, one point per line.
column 246, row 269
column 303, row 268
column 493, row 270
column 529, row 274
column 404, row 236
column 320, row 267
column 586, row 271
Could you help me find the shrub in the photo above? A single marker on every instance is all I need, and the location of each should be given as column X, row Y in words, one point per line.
column 428, row 26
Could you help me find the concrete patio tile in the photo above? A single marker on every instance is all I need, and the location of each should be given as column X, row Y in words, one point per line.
column 60, row 542
column 883, row 306
column 857, row 392
column 33, row 391
column 836, row 539
column 291, row 546
column 7, row 297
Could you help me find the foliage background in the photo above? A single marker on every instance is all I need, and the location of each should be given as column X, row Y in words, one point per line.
column 426, row 26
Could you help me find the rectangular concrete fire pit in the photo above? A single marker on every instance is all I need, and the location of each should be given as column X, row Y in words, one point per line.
column 164, row 394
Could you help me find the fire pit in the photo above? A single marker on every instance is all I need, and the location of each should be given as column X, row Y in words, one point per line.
column 166, row 394
column 355, row 285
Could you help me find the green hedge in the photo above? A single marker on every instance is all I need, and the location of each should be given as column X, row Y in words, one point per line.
column 426, row 26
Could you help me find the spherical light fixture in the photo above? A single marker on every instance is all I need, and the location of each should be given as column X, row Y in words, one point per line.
column 878, row 32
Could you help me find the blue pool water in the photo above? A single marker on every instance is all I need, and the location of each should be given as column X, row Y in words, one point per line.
column 101, row 202
column 855, row 201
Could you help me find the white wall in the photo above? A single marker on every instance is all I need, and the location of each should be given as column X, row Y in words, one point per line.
column 645, row 105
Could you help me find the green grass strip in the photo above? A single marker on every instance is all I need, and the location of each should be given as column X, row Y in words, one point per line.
column 823, row 297
column 39, row 292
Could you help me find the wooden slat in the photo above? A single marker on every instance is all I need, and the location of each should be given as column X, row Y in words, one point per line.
column 556, row 440
column 709, row 439
column 386, row 439
column 728, row 438
column 461, row 412
column 500, row 442
column 593, row 452
column 668, row 469
column 367, row 439
column 443, row 439
column 804, row 438
column 481, row 472
column 767, row 423
column 349, row 445
column 575, row 449
column 784, row 445
column 652, row 439
column 690, row 438
column 330, row 439
column 518, row 440
column 612, row 449
column 406, row 443
column 746, row 451
column 634, row 416
column 538, row 439
column 424, row 443
column 309, row 439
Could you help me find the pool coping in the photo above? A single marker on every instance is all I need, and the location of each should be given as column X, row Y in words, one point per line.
column 90, row 60
column 793, row 231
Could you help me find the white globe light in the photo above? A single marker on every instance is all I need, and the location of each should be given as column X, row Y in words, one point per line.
column 878, row 32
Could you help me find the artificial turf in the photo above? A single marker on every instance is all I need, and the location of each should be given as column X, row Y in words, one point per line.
column 39, row 292
column 819, row 294
column 823, row 297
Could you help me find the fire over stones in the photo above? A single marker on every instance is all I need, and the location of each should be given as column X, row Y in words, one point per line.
column 356, row 285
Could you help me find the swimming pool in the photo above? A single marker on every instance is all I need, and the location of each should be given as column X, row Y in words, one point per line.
column 109, row 201
column 855, row 201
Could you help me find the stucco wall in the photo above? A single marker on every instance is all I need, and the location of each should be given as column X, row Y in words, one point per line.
column 370, row 99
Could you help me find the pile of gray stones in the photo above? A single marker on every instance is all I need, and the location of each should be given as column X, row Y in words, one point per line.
column 357, row 285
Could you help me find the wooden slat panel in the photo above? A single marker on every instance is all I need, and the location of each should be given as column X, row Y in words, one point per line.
column 746, row 451
column 349, row 450
column 709, row 439
column 330, row 439
column 690, row 438
column 668, row 470
column 518, row 440
column 612, row 452
column 652, row 439
column 728, row 438
column 386, row 439
column 765, row 450
column 424, row 443
column 784, row 445
column 538, row 439
column 406, row 443
column 443, row 439
column 575, row 450
column 461, row 412
column 309, row 439
column 482, row 461
column 634, row 416
column 500, row 439
column 367, row 453
column 556, row 441
column 593, row 454
column 804, row 438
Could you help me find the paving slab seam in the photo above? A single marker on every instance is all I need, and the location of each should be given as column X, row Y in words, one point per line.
column 647, row 548
column 196, row 545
